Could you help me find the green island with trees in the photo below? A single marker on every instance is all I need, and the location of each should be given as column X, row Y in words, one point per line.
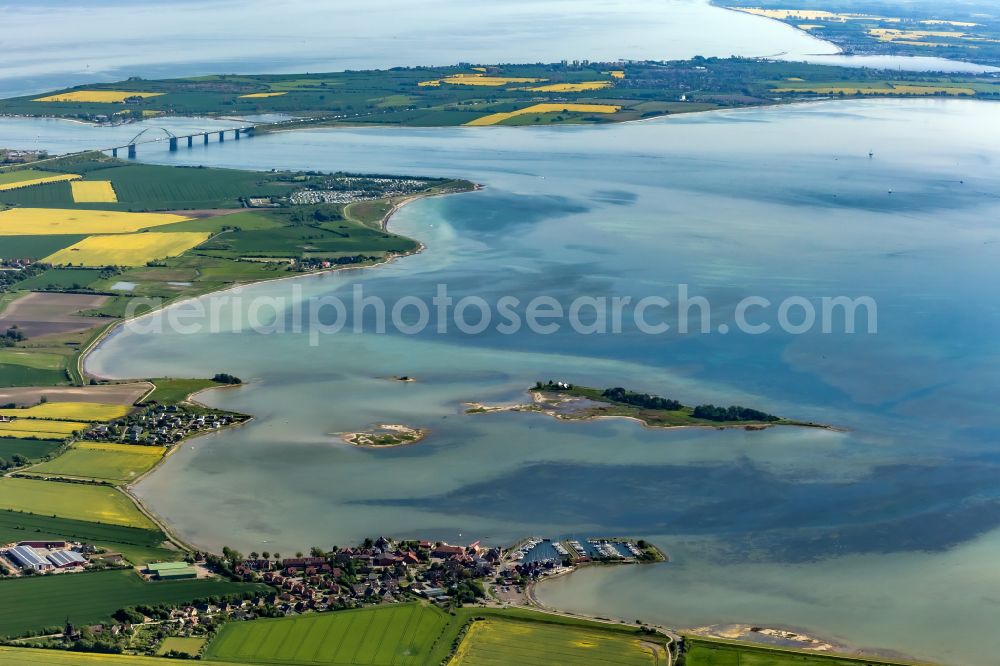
column 570, row 401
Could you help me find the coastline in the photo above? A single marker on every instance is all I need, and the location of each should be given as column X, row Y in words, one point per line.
column 840, row 50
column 113, row 327
column 128, row 490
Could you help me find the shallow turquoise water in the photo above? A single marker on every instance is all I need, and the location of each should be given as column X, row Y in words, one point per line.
column 875, row 535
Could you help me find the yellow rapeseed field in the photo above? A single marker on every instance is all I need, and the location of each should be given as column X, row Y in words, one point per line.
column 480, row 80
column 573, row 87
column 892, row 35
column 617, row 73
column 259, row 95
column 93, row 191
column 68, row 411
column 894, row 89
column 45, row 221
column 40, row 428
column 100, row 96
column 28, row 182
column 127, row 249
column 495, row 118
column 110, row 447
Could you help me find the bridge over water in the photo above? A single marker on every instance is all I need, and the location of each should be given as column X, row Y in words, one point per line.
column 160, row 134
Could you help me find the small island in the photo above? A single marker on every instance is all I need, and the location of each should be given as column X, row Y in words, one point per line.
column 563, row 400
column 385, row 435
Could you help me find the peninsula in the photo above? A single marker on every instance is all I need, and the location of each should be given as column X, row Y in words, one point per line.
column 967, row 31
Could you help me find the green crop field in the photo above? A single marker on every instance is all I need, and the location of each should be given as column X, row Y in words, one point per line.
column 712, row 652
column 32, row 449
column 497, row 641
column 22, row 375
column 39, row 602
column 102, row 504
column 49, row 195
column 342, row 237
column 35, row 247
column 32, row 359
column 419, row 634
column 115, row 462
column 11, row 656
column 136, row 544
column 396, row 635
column 144, row 187
column 21, row 175
column 61, row 278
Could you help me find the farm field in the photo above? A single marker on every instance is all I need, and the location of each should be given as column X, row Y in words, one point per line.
column 19, row 375
column 93, row 191
column 62, row 278
column 44, row 221
column 13, row 180
column 99, row 96
column 395, row 635
column 497, row 641
column 35, row 247
column 40, row 428
column 102, row 504
column 127, row 249
column 496, row 118
column 417, row 634
column 32, row 359
column 37, row 314
column 69, row 411
column 105, row 462
column 110, row 394
column 714, row 652
column 136, row 544
column 573, row 87
column 32, row 449
column 30, row 604
column 151, row 187
column 296, row 241
column 18, row 370
column 11, row 656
